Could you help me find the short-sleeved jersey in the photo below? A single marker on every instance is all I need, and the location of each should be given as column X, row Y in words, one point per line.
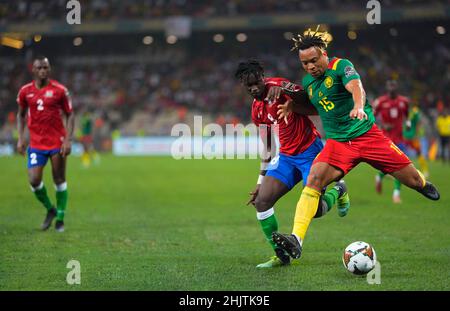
column 414, row 129
column 334, row 103
column 296, row 136
column 391, row 113
column 44, row 108
column 86, row 125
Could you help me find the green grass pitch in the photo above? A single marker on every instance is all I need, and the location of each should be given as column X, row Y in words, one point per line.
column 160, row 224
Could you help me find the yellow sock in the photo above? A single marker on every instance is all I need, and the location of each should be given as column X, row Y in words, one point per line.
column 306, row 209
column 85, row 159
column 424, row 181
column 423, row 164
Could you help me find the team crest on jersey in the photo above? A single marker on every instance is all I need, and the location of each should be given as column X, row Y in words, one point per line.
column 328, row 82
column 48, row 94
column 320, row 94
column 310, row 92
column 349, row 71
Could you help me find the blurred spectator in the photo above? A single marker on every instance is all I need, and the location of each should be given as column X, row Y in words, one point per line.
column 443, row 127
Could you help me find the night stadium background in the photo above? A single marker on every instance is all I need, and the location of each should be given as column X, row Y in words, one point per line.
column 140, row 220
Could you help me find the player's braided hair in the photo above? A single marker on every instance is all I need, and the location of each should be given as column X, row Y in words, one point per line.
column 310, row 39
column 249, row 68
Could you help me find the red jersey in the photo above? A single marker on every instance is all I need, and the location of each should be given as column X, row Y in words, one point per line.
column 391, row 113
column 45, row 106
column 296, row 136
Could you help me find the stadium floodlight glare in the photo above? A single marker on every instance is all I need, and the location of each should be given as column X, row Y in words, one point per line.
column 77, row 41
column 241, row 37
column 352, row 35
column 440, row 30
column 37, row 38
column 147, row 40
column 171, row 39
column 218, row 38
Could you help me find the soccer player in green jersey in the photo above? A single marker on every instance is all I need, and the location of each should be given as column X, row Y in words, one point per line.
column 335, row 89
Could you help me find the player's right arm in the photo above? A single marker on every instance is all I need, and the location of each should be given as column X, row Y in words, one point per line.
column 266, row 139
column 300, row 102
column 21, row 121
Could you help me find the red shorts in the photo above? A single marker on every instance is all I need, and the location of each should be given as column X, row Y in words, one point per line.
column 86, row 139
column 373, row 147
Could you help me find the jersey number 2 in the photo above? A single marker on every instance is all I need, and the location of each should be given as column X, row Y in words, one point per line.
column 33, row 158
column 40, row 104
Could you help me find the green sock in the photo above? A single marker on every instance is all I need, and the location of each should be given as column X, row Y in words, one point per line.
column 41, row 195
column 269, row 225
column 61, row 204
column 381, row 175
column 397, row 184
column 330, row 197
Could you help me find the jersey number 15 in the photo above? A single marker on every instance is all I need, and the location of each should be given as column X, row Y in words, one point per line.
column 326, row 104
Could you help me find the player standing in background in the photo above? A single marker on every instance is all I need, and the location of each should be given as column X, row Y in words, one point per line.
column 41, row 103
column 299, row 145
column 86, row 140
column 391, row 112
column 443, row 128
column 335, row 89
column 413, row 130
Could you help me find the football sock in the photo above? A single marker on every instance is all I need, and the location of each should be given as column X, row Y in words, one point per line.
column 61, row 200
column 330, row 197
column 424, row 181
column 423, row 164
column 86, row 159
column 41, row 194
column 269, row 224
column 397, row 184
column 381, row 175
column 305, row 211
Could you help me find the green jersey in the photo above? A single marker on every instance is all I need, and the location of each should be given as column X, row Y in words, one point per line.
column 86, row 125
column 410, row 132
column 334, row 103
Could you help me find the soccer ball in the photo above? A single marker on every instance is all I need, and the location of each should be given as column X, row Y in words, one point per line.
column 359, row 258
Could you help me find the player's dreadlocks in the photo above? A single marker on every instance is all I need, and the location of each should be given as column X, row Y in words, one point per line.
column 249, row 68
column 310, row 39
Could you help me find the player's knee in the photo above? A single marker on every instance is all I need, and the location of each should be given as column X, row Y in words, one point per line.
column 262, row 204
column 315, row 181
column 58, row 180
column 35, row 181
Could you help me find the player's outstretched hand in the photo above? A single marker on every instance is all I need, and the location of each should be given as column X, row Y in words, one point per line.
column 358, row 113
column 273, row 94
column 66, row 148
column 21, row 147
column 253, row 195
column 284, row 110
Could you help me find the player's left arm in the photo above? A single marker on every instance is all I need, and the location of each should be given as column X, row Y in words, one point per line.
column 66, row 147
column 356, row 88
column 352, row 81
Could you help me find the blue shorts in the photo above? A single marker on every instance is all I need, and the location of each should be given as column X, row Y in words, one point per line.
column 290, row 170
column 37, row 157
column 403, row 147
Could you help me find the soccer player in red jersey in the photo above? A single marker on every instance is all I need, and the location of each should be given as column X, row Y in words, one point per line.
column 42, row 103
column 391, row 112
column 300, row 143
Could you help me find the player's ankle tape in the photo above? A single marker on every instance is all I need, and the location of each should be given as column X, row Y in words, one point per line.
column 265, row 214
column 41, row 185
column 61, row 187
